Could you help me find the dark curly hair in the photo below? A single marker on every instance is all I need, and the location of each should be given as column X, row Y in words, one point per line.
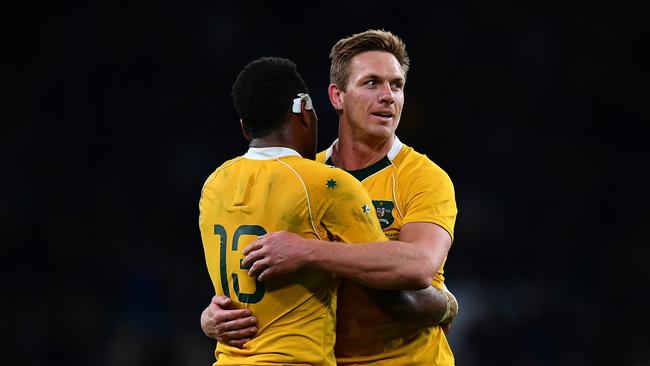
column 263, row 92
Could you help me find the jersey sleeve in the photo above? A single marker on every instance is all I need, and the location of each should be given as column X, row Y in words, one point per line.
column 430, row 198
column 349, row 215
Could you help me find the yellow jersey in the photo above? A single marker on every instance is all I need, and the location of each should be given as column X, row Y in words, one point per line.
column 272, row 189
column 405, row 186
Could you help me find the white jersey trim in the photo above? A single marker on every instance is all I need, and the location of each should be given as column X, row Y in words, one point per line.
column 268, row 153
column 395, row 149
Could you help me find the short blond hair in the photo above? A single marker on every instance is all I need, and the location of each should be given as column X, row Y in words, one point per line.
column 371, row 40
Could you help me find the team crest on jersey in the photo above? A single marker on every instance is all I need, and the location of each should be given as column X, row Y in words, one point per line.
column 384, row 211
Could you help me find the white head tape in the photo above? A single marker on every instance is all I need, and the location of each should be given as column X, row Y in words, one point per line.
column 297, row 103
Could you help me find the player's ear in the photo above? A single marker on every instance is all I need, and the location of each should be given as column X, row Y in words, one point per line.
column 336, row 98
column 243, row 130
column 308, row 116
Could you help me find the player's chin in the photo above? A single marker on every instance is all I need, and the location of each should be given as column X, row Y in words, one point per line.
column 382, row 130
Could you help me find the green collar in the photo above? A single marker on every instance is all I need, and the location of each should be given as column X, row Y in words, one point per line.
column 364, row 173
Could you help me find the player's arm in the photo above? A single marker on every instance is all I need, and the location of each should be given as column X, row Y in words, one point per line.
column 344, row 209
column 431, row 306
column 408, row 264
column 223, row 322
column 418, row 309
column 430, row 203
column 363, row 263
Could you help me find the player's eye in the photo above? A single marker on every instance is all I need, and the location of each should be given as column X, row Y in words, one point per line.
column 397, row 85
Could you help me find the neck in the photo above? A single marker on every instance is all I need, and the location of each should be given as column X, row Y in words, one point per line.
column 275, row 139
column 352, row 153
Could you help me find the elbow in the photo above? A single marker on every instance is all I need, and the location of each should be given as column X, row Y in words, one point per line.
column 422, row 281
column 410, row 280
column 423, row 276
column 420, row 278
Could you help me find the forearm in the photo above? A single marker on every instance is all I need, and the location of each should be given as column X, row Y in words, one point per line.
column 389, row 314
column 385, row 265
column 416, row 308
column 408, row 264
column 425, row 307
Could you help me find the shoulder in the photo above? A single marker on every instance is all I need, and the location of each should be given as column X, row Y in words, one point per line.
column 304, row 166
column 322, row 156
column 412, row 164
column 221, row 169
column 314, row 171
column 326, row 181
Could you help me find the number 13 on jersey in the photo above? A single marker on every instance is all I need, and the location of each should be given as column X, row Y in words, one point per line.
column 225, row 253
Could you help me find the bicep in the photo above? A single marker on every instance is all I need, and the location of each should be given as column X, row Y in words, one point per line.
column 431, row 199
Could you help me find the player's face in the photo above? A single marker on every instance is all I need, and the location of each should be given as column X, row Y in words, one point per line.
column 372, row 103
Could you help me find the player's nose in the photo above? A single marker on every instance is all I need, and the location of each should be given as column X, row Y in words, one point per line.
column 386, row 94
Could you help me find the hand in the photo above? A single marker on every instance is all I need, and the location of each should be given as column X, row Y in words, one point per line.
column 228, row 325
column 274, row 254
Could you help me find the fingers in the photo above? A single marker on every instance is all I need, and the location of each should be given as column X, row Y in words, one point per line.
column 267, row 274
column 221, row 301
column 262, row 269
column 257, row 244
column 237, row 332
column 252, row 257
column 238, row 329
column 258, row 265
column 239, row 343
column 230, row 315
column 261, row 241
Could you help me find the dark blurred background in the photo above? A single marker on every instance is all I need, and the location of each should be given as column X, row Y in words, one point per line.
column 118, row 112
